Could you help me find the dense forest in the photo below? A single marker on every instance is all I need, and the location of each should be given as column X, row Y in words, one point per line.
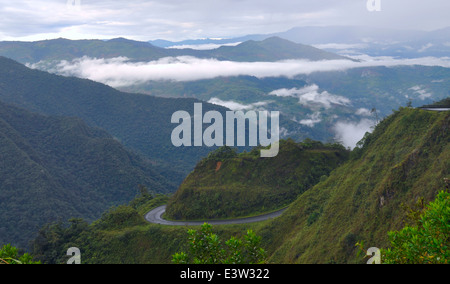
column 395, row 178
column 227, row 184
column 55, row 168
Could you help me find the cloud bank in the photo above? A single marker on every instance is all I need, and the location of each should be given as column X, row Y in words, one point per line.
column 207, row 46
column 350, row 133
column 310, row 95
column 122, row 72
column 235, row 106
column 177, row 20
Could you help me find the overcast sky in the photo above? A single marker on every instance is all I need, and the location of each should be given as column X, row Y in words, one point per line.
column 187, row 19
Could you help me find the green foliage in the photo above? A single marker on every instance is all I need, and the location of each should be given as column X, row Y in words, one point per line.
column 405, row 158
column 10, row 255
column 207, row 248
column 271, row 49
column 445, row 103
column 221, row 154
column 227, row 185
column 118, row 237
column 55, row 168
column 428, row 242
column 139, row 122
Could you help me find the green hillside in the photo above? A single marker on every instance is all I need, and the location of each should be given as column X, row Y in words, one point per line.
column 54, row 168
column 272, row 49
column 140, row 122
column 227, row 185
column 359, row 89
column 406, row 158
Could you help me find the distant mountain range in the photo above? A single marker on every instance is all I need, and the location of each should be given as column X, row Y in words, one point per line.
column 349, row 40
column 312, row 104
column 270, row 49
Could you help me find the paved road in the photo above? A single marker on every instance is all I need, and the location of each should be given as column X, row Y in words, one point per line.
column 155, row 217
column 437, row 109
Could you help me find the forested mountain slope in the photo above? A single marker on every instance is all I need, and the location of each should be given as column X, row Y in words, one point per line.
column 56, row 168
column 226, row 185
column 406, row 158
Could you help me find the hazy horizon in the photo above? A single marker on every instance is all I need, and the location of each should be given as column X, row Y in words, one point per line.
column 181, row 20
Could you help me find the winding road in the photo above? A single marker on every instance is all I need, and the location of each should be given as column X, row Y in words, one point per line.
column 155, row 217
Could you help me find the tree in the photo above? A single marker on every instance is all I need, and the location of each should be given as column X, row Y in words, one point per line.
column 206, row 248
column 10, row 255
column 427, row 242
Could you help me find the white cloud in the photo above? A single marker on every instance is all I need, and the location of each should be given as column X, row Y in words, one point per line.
column 364, row 112
column 341, row 46
column 425, row 47
column 209, row 46
column 176, row 19
column 121, row 72
column 350, row 133
column 310, row 96
column 235, row 106
column 423, row 94
column 312, row 120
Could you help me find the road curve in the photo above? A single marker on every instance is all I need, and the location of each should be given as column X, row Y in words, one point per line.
column 155, row 217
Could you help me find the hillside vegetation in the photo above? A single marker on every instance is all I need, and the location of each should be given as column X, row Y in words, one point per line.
column 57, row 168
column 140, row 122
column 271, row 49
column 405, row 159
column 226, row 185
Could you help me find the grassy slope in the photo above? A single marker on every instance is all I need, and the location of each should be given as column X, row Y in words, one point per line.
column 247, row 185
column 407, row 157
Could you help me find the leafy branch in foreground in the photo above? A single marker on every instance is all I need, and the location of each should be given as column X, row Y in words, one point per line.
column 206, row 248
column 426, row 238
column 428, row 242
column 10, row 255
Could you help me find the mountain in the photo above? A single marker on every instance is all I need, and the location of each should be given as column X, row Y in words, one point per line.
column 140, row 122
column 64, row 49
column 317, row 103
column 53, row 51
column 271, row 49
column 226, row 184
column 404, row 159
column 372, row 41
column 56, row 168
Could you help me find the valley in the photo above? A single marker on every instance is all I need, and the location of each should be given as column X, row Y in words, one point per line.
column 121, row 147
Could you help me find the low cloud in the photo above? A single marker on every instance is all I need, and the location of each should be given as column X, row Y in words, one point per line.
column 423, row 94
column 310, row 96
column 312, row 120
column 364, row 112
column 235, row 106
column 208, row 46
column 350, row 133
column 122, row 72
column 341, row 46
